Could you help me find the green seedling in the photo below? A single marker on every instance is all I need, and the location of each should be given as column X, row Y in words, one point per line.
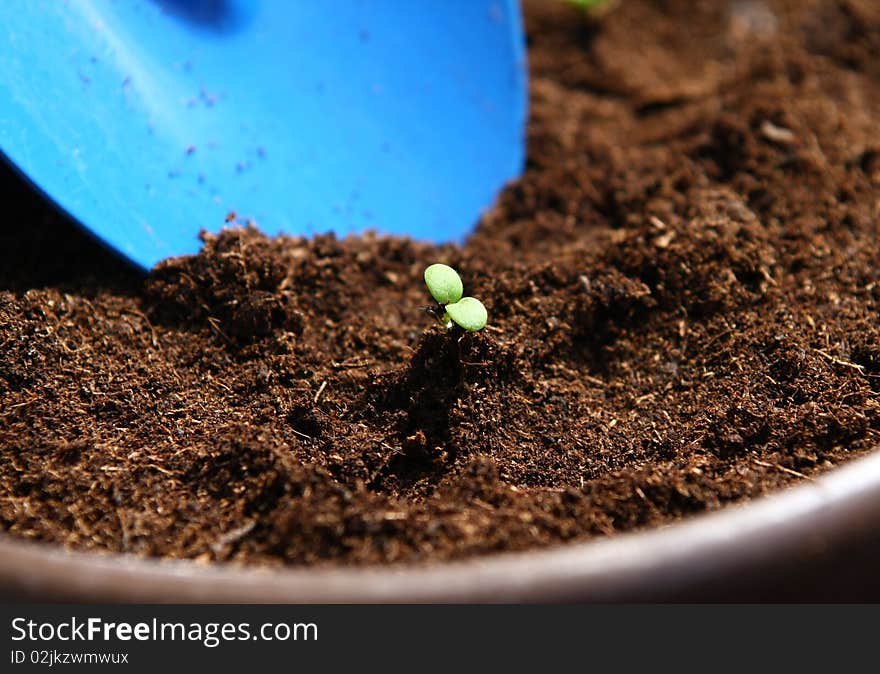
column 446, row 288
column 444, row 283
column 469, row 313
column 594, row 9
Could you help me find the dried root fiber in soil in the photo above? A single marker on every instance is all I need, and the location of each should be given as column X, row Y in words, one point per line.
column 683, row 298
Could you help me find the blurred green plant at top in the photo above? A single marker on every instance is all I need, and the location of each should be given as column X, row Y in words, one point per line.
column 594, row 6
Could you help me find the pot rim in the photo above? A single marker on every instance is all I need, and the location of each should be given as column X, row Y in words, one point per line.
column 835, row 509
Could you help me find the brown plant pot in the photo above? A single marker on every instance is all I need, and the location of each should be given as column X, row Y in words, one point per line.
column 817, row 541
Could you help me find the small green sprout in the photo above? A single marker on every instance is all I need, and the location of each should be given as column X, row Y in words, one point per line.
column 446, row 288
column 586, row 4
column 469, row 313
column 594, row 9
column 444, row 283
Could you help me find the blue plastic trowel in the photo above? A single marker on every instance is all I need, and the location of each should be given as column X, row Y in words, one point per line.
column 148, row 120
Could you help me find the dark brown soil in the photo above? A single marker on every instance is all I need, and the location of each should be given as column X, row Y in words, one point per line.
column 683, row 295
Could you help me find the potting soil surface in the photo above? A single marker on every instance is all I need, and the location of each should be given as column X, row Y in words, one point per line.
column 684, row 312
